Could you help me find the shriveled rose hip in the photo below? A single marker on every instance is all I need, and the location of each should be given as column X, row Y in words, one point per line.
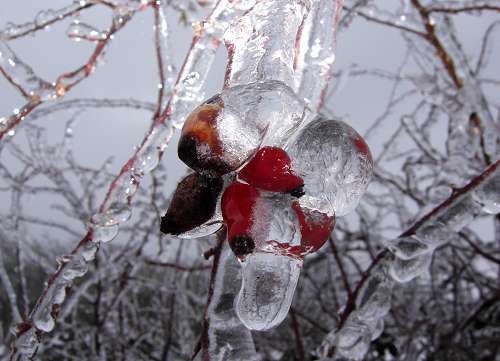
column 193, row 203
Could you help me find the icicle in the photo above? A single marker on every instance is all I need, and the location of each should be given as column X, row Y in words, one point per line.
column 266, row 294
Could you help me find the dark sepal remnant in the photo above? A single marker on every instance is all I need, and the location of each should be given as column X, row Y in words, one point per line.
column 242, row 245
column 193, row 203
column 207, row 164
column 297, row 192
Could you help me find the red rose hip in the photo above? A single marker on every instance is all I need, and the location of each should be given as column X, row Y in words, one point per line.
column 237, row 206
column 315, row 227
column 270, row 169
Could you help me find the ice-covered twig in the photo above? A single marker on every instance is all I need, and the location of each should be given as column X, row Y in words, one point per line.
column 38, row 91
column 466, row 6
column 115, row 209
column 44, row 19
column 224, row 337
column 406, row 258
column 257, row 51
column 315, row 53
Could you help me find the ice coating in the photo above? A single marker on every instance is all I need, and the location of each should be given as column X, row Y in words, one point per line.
column 275, row 226
column 268, row 285
column 225, row 131
column 193, row 203
column 228, row 338
column 488, row 194
column 407, row 248
column 272, row 222
column 353, row 340
column 313, row 65
column 406, row 270
column 260, row 52
column 215, row 222
column 334, row 162
column 270, row 170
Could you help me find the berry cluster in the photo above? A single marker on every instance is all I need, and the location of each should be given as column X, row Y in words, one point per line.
column 329, row 156
column 270, row 170
column 277, row 176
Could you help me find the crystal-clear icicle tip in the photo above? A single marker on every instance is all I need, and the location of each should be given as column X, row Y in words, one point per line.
column 267, row 290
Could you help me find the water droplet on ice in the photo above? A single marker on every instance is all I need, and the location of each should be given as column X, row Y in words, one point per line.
column 269, row 282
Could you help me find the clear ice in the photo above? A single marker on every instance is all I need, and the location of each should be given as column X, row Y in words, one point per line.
column 268, row 285
column 334, row 162
column 488, row 194
column 226, row 130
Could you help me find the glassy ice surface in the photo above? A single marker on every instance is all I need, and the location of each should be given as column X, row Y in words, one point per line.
column 353, row 340
column 225, row 131
column 275, row 225
column 228, row 338
column 407, row 248
column 434, row 234
column 374, row 299
column 260, row 52
column 334, row 162
column 406, row 270
column 460, row 213
column 488, row 194
column 269, row 282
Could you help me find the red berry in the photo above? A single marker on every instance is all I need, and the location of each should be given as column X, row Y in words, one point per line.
column 315, row 227
column 270, row 169
column 361, row 145
column 237, row 206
